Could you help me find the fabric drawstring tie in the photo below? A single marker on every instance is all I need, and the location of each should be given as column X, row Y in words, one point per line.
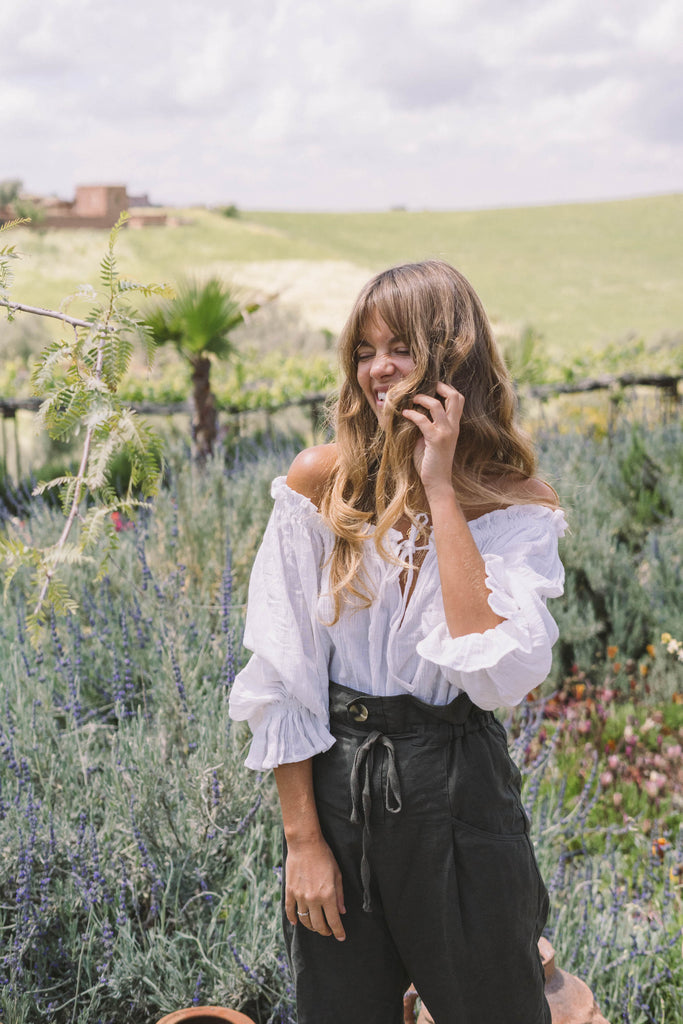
column 361, row 796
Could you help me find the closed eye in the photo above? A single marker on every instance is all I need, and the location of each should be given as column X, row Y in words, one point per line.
column 362, row 354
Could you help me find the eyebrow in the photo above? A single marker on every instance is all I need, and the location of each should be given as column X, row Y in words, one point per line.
column 391, row 341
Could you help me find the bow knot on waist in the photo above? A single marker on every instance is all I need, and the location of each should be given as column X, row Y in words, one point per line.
column 361, row 795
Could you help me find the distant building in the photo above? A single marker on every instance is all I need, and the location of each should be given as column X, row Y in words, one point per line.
column 141, row 200
column 95, row 206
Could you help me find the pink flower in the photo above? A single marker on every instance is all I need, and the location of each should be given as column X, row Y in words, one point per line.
column 606, row 779
column 613, row 762
column 654, row 784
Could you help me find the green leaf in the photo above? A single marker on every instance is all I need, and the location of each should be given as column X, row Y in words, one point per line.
column 45, row 485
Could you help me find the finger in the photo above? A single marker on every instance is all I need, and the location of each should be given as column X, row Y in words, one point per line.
column 318, row 922
column 333, row 910
column 428, row 401
column 437, row 407
column 447, row 390
column 290, row 907
column 304, row 918
column 341, row 907
column 418, row 418
column 334, row 921
column 452, row 398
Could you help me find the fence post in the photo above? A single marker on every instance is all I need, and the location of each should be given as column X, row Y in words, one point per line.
column 17, row 449
column 670, row 400
column 6, row 415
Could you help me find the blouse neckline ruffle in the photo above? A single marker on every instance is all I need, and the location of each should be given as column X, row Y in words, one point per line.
column 302, row 508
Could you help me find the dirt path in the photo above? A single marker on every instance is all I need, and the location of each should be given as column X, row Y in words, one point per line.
column 322, row 290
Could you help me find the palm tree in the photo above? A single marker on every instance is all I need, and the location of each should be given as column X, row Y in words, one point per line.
column 198, row 321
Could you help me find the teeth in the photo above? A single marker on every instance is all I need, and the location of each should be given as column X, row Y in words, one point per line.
column 381, row 395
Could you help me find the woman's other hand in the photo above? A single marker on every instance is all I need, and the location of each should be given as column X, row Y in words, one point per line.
column 314, row 894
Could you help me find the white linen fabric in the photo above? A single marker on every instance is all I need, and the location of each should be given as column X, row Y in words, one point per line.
column 401, row 643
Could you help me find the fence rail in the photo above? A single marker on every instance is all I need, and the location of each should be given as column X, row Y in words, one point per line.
column 10, row 406
column 667, row 383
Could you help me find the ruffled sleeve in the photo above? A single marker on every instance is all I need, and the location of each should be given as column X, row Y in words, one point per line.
column 499, row 667
column 283, row 690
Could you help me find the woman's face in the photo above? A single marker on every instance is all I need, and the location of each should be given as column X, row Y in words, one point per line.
column 382, row 359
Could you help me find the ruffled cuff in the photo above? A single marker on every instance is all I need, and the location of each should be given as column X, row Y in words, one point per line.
column 285, row 732
column 498, row 667
column 474, row 651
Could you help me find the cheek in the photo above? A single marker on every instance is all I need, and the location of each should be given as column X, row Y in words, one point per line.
column 407, row 367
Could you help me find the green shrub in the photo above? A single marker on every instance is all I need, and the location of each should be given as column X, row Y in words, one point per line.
column 623, row 554
column 139, row 867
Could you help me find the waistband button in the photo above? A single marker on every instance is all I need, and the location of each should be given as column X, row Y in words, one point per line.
column 358, row 711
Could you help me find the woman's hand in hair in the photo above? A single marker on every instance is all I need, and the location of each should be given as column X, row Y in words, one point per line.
column 439, row 426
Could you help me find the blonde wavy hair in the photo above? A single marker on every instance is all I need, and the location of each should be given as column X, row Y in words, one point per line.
column 374, row 483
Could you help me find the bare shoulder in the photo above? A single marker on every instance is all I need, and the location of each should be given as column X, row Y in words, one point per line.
column 532, row 490
column 311, row 470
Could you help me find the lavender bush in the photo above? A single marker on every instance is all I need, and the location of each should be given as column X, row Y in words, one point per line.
column 137, row 873
column 139, row 858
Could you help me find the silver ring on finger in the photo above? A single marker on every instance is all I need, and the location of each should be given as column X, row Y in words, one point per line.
column 303, row 913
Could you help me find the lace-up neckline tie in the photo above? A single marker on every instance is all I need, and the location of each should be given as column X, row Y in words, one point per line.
column 407, row 549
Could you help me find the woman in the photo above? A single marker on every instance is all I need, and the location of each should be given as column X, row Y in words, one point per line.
column 398, row 597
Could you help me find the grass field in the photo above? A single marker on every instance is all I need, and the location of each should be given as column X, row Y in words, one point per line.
column 584, row 275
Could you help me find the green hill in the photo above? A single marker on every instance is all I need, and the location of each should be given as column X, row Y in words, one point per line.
column 583, row 275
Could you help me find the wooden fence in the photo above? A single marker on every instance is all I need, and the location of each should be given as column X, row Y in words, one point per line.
column 666, row 386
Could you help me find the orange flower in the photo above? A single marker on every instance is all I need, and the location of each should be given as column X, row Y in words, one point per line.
column 643, row 670
column 579, row 690
column 659, row 847
column 616, row 666
column 650, row 650
column 612, row 652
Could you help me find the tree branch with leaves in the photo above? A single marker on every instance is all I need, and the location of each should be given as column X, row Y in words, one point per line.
column 78, row 378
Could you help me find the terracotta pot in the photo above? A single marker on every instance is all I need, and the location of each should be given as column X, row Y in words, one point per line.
column 206, row 1015
column 570, row 999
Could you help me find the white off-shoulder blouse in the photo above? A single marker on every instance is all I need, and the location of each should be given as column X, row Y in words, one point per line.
column 400, row 644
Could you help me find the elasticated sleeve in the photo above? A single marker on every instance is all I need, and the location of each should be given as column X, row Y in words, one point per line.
column 499, row 667
column 283, row 690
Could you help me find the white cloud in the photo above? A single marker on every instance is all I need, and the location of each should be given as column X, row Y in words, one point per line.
column 305, row 103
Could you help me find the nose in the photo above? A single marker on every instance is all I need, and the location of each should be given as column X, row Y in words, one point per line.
column 382, row 365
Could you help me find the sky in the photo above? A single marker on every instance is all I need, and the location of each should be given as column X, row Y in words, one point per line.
column 344, row 104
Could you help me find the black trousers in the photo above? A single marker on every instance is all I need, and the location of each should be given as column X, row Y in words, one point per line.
column 421, row 808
